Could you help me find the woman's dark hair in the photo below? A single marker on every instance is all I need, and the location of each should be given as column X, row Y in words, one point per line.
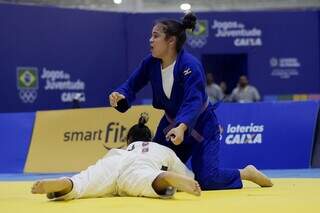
column 178, row 29
column 140, row 132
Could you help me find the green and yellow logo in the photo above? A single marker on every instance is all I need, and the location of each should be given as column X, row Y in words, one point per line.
column 198, row 38
column 27, row 78
column 201, row 29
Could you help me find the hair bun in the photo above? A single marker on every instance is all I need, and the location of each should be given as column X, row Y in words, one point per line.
column 189, row 21
column 144, row 117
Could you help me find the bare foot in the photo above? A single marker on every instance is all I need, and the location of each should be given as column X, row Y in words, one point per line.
column 50, row 186
column 251, row 173
column 183, row 183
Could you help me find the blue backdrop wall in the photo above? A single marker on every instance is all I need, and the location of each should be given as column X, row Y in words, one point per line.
column 281, row 47
column 50, row 55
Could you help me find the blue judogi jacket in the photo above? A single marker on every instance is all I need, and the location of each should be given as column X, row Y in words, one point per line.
column 188, row 94
column 188, row 103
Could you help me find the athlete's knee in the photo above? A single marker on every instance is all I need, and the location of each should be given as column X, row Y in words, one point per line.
column 207, row 180
column 215, row 180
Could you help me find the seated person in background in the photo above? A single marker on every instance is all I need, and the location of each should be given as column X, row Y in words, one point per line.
column 142, row 169
column 224, row 87
column 244, row 92
column 213, row 90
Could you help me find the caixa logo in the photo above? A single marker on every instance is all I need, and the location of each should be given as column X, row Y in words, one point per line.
column 114, row 136
column 244, row 134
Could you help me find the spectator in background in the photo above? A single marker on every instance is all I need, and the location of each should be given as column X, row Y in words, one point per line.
column 214, row 92
column 244, row 92
column 224, row 87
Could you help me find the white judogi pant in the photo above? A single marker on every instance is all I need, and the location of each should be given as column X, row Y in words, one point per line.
column 129, row 172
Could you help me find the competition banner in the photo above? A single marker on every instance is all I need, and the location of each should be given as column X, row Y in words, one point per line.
column 268, row 135
column 71, row 140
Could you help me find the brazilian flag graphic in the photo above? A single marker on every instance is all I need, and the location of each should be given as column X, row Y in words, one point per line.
column 201, row 29
column 27, row 78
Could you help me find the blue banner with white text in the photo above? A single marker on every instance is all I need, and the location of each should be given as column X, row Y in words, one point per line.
column 268, row 135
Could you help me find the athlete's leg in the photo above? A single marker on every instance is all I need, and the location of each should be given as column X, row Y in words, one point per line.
column 205, row 162
column 170, row 179
column 205, row 158
column 96, row 181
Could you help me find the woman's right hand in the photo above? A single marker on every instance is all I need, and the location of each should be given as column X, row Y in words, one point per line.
column 114, row 98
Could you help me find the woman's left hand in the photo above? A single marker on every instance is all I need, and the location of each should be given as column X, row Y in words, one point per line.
column 176, row 135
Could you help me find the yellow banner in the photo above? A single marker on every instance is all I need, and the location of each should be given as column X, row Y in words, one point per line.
column 71, row 140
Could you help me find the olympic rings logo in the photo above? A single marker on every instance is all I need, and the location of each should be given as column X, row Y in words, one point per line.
column 197, row 42
column 28, row 96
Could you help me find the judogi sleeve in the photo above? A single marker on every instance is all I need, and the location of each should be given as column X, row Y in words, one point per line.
column 137, row 80
column 194, row 93
column 175, row 165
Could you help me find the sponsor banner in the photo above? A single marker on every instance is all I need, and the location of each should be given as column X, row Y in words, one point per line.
column 15, row 131
column 240, row 34
column 71, row 140
column 60, row 80
column 269, row 135
column 230, row 30
column 51, row 80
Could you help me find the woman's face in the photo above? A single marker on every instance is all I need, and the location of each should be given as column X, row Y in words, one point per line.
column 159, row 45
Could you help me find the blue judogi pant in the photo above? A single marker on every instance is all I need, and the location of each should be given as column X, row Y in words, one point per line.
column 203, row 148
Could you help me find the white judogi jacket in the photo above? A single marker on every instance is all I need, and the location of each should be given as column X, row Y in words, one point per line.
column 127, row 172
